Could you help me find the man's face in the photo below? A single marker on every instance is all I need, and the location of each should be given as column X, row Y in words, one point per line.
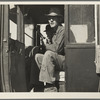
column 53, row 21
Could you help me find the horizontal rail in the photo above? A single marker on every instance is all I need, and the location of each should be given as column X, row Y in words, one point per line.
column 28, row 36
column 80, row 46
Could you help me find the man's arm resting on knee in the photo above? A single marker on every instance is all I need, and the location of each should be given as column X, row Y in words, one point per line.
column 58, row 45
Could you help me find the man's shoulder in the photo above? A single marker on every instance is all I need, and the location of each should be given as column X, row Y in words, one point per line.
column 60, row 28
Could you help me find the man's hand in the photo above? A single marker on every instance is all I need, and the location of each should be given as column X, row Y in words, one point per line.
column 44, row 41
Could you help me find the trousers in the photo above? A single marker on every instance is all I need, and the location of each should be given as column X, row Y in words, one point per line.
column 48, row 63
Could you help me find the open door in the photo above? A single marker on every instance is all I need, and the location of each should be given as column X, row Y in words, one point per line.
column 12, row 67
column 17, row 50
column 80, row 49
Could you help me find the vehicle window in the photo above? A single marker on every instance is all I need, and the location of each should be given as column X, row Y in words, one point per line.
column 13, row 22
column 81, row 24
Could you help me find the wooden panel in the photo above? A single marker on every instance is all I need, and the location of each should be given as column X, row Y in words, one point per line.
column 81, row 70
column 17, row 71
column 81, row 46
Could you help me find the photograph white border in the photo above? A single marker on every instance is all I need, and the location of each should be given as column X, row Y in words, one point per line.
column 41, row 95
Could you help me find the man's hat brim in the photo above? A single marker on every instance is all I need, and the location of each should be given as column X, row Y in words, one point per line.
column 53, row 15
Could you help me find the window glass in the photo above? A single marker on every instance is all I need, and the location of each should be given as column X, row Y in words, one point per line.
column 13, row 22
column 81, row 24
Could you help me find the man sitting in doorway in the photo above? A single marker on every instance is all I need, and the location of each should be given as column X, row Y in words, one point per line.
column 54, row 57
column 31, row 66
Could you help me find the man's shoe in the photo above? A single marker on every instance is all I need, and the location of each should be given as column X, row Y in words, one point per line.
column 38, row 88
column 50, row 89
column 31, row 86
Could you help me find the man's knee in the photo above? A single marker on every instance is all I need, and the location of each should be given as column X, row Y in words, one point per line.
column 37, row 57
column 49, row 53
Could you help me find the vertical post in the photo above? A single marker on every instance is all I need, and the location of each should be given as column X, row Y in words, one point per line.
column 37, row 35
column 98, row 9
column 66, row 24
column 20, row 25
column 66, row 36
column 21, row 53
column 34, row 35
column 97, row 37
column 0, row 49
column 96, row 26
column 5, row 75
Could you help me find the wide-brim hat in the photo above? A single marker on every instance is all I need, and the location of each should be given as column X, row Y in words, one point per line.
column 54, row 12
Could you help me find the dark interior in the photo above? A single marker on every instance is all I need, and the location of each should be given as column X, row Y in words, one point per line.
column 36, row 12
